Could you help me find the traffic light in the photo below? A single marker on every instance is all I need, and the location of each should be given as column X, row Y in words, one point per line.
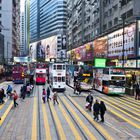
column 22, row 74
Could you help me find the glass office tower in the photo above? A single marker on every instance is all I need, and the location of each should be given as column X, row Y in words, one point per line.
column 47, row 18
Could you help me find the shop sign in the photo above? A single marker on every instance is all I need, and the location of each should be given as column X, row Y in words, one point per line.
column 100, row 47
column 100, row 62
column 115, row 42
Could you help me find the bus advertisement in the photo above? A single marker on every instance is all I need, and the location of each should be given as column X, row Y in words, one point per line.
column 109, row 80
column 85, row 77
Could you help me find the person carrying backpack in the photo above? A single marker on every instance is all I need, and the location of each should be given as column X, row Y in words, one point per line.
column 9, row 90
column 102, row 110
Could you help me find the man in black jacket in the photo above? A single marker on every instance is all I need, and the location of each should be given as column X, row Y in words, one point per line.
column 96, row 109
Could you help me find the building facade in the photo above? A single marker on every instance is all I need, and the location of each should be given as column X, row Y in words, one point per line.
column 47, row 18
column 88, row 19
column 10, row 27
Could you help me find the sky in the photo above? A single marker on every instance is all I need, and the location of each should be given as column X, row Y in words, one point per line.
column 22, row 5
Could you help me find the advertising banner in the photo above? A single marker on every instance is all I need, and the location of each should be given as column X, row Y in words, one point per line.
column 115, row 43
column 44, row 49
column 100, row 47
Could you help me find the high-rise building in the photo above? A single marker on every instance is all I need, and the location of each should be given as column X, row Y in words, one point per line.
column 88, row 19
column 10, row 27
column 22, row 32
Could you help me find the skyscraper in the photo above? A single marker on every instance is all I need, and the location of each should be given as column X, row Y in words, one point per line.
column 47, row 18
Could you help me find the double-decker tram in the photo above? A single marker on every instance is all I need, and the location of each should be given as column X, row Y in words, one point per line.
column 57, row 76
column 109, row 80
column 19, row 73
column 40, row 74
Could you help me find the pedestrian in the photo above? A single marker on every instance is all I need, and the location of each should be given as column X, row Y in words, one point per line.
column 102, row 110
column 2, row 95
column 23, row 94
column 48, row 94
column 44, row 95
column 78, row 87
column 96, row 109
column 55, row 98
column 15, row 97
column 89, row 100
column 137, row 91
column 28, row 89
column 9, row 90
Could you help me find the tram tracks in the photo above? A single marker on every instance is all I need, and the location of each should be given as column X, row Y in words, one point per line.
column 98, row 128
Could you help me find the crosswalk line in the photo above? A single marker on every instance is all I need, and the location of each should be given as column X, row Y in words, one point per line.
column 97, row 125
column 119, row 115
column 34, row 121
column 58, row 123
column 73, row 129
column 115, row 101
column 84, row 127
column 131, row 100
column 46, row 123
column 3, row 117
column 128, row 102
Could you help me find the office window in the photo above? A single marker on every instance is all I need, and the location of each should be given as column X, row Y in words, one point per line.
column 130, row 13
column 0, row 15
column 115, row 21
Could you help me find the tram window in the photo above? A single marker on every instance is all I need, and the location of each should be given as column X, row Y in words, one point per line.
column 63, row 79
column 105, row 83
column 63, row 67
column 59, row 67
column 54, row 67
column 55, row 79
column 59, row 79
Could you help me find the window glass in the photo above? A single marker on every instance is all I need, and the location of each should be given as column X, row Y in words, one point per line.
column 63, row 67
column 55, row 79
column 54, row 67
column 63, row 79
column 59, row 79
column 59, row 67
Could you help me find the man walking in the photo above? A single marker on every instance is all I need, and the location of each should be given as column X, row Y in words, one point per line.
column 96, row 109
column 89, row 99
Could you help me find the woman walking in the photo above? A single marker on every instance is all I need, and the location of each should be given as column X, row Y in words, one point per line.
column 55, row 98
column 44, row 95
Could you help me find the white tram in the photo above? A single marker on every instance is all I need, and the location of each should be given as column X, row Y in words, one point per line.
column 57, row 76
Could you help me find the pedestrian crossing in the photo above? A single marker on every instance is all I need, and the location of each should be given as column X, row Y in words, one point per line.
column 125, row 108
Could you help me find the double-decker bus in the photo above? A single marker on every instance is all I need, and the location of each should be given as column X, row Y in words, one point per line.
column 18, row 73
column 109, row 80
column 57, row 76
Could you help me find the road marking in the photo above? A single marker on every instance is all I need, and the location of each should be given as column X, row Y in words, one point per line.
column 131, row 100
column 116, row 102
column 46, row 123
column 84, row 127
column 1, row 106
column 97, row 125
column 128, row 102
column 58, row 123
column 6, row 113
column 117, row 114
column 73, row 129
column 34, row 121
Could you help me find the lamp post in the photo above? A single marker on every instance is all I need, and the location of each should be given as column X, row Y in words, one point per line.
column 123, row 49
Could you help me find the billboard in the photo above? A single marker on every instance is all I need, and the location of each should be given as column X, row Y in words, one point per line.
column 44, row 49
column 81, row 53
column 100, row 62
column 115, row 42
column 100, row 47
